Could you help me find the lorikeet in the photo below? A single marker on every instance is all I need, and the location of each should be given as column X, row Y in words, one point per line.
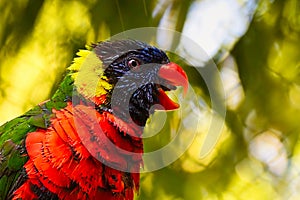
column 85, row 142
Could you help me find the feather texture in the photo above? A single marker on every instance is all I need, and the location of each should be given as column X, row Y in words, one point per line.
column 60, row 162
column 77, row 145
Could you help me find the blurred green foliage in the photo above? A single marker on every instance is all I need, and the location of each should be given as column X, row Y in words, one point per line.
column 258, row 154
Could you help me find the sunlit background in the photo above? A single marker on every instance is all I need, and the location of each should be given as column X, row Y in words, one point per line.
column 255, row 45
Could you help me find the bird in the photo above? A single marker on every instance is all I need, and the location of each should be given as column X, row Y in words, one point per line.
column 85, row 142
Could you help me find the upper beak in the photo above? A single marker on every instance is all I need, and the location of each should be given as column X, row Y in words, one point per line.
column 175, row 75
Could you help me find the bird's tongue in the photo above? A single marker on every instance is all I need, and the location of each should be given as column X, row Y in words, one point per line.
column 165, row 101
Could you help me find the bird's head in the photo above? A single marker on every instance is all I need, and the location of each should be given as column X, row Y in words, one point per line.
column 129, row 77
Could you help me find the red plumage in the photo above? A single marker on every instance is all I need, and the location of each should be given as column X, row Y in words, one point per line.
column 59, row 160
column 91, row 148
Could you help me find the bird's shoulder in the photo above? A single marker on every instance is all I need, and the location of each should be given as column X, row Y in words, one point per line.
column 12, row 148
column 13, row 134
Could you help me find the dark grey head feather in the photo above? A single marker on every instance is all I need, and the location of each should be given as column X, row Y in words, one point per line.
column 135, row 90
column 109, row 51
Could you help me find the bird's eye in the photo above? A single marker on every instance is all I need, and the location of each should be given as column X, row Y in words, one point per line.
column 133, row 63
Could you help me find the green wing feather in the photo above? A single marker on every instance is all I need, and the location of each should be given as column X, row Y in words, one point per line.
column 13, row 134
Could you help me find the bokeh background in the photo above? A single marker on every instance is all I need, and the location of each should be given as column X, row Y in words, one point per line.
column 255, row 44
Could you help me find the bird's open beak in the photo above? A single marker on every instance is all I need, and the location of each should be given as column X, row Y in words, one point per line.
column 174, row 75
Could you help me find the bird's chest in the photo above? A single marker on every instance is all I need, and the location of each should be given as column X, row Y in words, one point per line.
column 83, row 154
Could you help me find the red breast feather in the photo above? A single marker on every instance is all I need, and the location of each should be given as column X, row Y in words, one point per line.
column 61, row 165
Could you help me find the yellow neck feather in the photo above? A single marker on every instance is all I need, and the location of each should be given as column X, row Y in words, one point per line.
column 87, row 71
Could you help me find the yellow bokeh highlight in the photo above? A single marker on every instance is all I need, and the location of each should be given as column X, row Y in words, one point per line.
column 42, row 59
